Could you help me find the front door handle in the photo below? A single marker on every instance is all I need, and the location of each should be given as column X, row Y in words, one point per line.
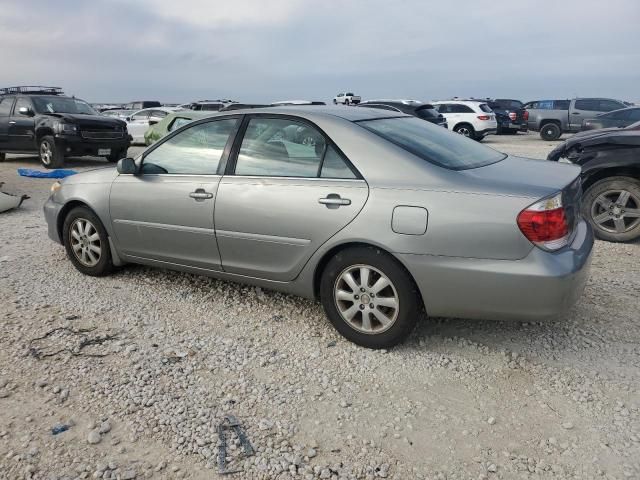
column 201, row 195
column 333, row 200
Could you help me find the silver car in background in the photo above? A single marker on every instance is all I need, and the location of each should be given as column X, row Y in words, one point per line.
column 379, row 215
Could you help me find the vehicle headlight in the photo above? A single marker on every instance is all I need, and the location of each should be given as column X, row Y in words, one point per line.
column 55, row 187
column 66, row 128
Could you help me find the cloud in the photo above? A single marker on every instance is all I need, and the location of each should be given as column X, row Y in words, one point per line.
column 261, row 51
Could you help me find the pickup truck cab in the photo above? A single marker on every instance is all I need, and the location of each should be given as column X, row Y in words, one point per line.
column 552, row 118
column 43, row 120
column 346, row 99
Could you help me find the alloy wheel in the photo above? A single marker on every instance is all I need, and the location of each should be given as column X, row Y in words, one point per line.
column 616, row 211
column 464, row 131
column 85, row 242
column 46, row 153
column 366, row 299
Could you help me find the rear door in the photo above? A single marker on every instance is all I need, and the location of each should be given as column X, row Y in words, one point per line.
column 288, row 190
column 165, row 212
column 22, row 127
column 138, row 125
column 6, row 104
column 583, row 109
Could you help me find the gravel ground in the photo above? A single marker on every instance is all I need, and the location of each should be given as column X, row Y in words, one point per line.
column 147, row 362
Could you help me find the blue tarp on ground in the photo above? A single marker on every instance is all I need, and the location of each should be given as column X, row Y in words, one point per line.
column 58, row 173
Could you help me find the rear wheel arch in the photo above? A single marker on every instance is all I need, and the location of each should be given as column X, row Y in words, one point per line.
column 321, row 265
column 628, row 171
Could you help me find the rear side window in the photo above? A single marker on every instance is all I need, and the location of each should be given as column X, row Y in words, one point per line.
column 427, row 112
column 194, row 151
column 178, row 122
column 587, row 104
column 5, row 105
column 485, row 108
column 433, row 143
column 561, row 104
column 459, row 108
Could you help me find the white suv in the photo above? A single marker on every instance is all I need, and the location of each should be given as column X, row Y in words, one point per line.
column 471, row 118
column 346, row 98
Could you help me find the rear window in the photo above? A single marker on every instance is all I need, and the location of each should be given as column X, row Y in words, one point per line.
column 433, row 143
column 506, row 104
column 427, row 112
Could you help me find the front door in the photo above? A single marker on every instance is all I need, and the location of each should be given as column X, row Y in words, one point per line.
column 6, row 104
column 165, row 212
column 22, row 129
column 290, row 191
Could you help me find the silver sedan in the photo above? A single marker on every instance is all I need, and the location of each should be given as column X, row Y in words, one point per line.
column 381, row 216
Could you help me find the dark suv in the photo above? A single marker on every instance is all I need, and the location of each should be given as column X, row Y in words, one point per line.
column 511, row 115
column 44, row 120
column 425, row 111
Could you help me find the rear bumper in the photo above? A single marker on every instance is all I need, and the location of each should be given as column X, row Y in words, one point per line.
column 51, row 213
column 540, row 286
column 521, row 127
column 74, row 145
column 487, row 131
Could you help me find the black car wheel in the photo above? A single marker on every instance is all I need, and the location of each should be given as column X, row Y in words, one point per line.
column 3, row 157
column 86, row 242
column 612, row 207
column 466, row 130
column 369, row 297
column 114, row 157
column 550, row 131
column 50, row 155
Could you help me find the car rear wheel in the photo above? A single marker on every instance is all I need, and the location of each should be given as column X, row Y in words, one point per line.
column 550, row 131
column 86, row 242
column 3, row 157
column 50, row 155
column 369, row 297
column 465, row 130
column 612, row 206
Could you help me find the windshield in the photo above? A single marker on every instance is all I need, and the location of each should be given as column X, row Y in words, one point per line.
column 433, row 143
column 62, row 105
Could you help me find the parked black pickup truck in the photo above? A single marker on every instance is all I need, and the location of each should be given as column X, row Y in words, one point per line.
column 43, row 120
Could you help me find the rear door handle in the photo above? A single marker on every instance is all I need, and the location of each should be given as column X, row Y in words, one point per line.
column 201, row 195
column 333, row 200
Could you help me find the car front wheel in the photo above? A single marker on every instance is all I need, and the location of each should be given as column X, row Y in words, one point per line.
column 86, row 242
column 465, row 130
column 612, row 207
column 50, row 155
column 369, row 297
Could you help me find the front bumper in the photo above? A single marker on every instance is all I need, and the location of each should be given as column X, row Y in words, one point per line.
column 51, row 214
column 75, row 145
column 540, row 286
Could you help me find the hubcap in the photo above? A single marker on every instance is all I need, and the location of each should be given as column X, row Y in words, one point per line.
column 616, row 211
column 464, row 131
column 85, row 242
column 45, row 152
column 366, row 299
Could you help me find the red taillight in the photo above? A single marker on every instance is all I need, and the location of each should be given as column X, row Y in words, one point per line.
column 513, row 116
column 525, row 115
column 483, row 117
column 545, row 223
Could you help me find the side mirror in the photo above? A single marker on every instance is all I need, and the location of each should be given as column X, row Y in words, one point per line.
column 126, row 166
column 26, row 111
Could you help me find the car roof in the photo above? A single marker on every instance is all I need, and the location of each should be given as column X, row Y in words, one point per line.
column 351, row 114
column 464, row 102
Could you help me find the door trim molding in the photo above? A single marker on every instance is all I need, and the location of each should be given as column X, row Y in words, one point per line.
column 257, row 237
column 164, row 226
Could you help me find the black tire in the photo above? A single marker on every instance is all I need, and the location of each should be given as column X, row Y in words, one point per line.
column 550, row 131
column 402, row 288
column 104, row 264
column 335, row 102
column 608, row 190
column 479, row 138
column 50, row 155
column 3, row 157
column 346, row 101
column 466, row 130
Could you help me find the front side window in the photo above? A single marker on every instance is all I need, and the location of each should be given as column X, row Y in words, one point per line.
column 634, row 114
column 144, row 115
column 22, row 102
column 334, row 166
column 432, row 143
column 194, row 151
column 158, row 114
column 427, row 112
column 591, row 105
column 5, row 105
column 609, row 105
column 621, row 115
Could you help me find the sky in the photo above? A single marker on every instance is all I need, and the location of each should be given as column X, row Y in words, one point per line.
column 269, row 50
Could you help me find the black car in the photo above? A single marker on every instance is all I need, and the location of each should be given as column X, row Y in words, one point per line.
column 511, row 115
column 610, row 162
column 617, row 118
column 425, row 111
column 44, row 120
